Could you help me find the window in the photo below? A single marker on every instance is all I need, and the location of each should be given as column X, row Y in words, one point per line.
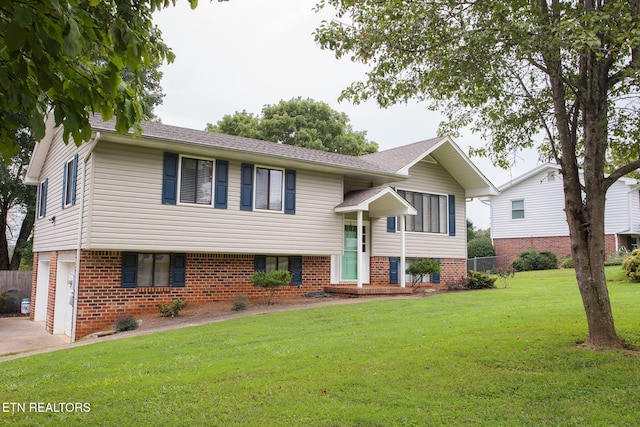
column 146, row 270
column 41, row 203
column 272, row 262
column 277, row 263
column 432, row 212
column 196, row 181
column 269, row 189
column 69, row 177
column 517, row 209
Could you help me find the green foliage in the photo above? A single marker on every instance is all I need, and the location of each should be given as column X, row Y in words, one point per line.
column 8, row 303
column 67, row 57
column 300, row 122
column 617, row 257
column 240, row 302
column 271, row 281
column 421, row 268
column 505, row 274
column 631, row 265
column 171, row 310
column 477, row 280
column 531, row 260
column 480, row 247
column 126, row 323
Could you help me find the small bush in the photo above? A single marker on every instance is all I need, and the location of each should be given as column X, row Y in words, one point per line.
column 420, row 268
column 531, row 260
column 476, row 280
column 567, row 262
column 126, row 323
column 617, row 257
column 171, row 310
column 240, row 302
column 505, row 274
column 271, row 281
column 480, row 247
column 631, row 265
column 9, row 303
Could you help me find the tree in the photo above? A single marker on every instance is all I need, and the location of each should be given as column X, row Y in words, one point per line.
column 301, row 122
column 513, row 70
column 67, row 56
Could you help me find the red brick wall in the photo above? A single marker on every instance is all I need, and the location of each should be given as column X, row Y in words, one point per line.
column 209, row 278
column 509, row 249
column 51, row 297
column 451, row 270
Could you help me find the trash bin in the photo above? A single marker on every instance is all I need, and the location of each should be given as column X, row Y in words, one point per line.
column 24, row 307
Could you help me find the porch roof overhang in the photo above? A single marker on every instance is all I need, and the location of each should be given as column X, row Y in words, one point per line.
column 378, row 201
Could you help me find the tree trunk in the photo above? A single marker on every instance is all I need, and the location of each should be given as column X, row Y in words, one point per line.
column 25, row 232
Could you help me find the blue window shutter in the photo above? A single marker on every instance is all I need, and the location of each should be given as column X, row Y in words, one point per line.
column 45, row 190
column 435, row 278
column 129, row 269
column 222, row 184
column 246, row 187
column 391, row 224
column 452, row 215
column 64, row 184
column 178, row 270
column 260, row 263
column 394, row 263
column 296, row 270
column 170, row 179
column 290, row 191
column 74, row 180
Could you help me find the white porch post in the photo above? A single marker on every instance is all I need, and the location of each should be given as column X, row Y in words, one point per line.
column 359, row 258
column 403, row 276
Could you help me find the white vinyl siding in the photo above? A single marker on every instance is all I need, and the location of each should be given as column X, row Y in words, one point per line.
column 136, row 220
column 427, row 178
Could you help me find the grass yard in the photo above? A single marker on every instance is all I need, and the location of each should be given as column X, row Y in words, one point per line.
column 500, row 357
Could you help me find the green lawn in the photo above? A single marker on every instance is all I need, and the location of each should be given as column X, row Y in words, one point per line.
column 498, row 357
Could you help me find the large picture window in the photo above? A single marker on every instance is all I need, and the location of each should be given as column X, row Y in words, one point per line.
column 432, row 212
column 196, row 181
column 269, row 189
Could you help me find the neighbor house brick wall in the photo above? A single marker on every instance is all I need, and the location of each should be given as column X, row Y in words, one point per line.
column 507, row 250
column 209, row 278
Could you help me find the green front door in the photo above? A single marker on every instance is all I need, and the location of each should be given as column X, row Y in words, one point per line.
column 350, row 255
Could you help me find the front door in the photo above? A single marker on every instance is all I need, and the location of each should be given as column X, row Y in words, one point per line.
column 349, row 265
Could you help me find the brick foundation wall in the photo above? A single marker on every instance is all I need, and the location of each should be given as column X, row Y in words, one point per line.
column 508, row 249
column 209, row 278
column 452, row 270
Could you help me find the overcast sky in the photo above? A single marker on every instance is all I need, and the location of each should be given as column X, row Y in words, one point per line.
column 244, row 54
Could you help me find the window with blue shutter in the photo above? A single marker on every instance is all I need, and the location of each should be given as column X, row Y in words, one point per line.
column 290, row 192
column 435, row 277
column 394, row 265
column 452, row 215
column 260, row 263
column 296, row 270
column 221, row 184
column 246, row 187
column 178, row 270
column 170, row 179
column 129, row 270
column 391, row 224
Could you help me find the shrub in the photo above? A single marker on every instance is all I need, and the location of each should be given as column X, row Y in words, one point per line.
column 476, row 280
column 271, row 281
column 617, row 257
column 240, row 302
column 567, row 262
column 480, row 247
column 171, row 310
column 126, row 323
column 420, row 268
column 631, row 265
column 505, row 274
column 9, row 304
column 531, row 260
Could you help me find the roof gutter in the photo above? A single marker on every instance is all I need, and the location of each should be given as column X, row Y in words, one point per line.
column 75, row 289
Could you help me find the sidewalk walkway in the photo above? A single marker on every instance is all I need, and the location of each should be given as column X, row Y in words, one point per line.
column 19, row 334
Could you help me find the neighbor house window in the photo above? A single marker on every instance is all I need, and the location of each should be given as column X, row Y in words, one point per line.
column 196, row 181
column 41, row 203
column 432, row 212
column 517, row 209
column 269, row 189
column 69, row 177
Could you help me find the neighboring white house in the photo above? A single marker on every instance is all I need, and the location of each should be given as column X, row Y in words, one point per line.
column 529, row 213
column 124, row 224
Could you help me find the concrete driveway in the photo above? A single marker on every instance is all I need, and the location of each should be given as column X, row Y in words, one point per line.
column 19, row 334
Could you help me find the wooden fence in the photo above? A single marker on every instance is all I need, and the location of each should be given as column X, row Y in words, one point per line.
column 18, row 282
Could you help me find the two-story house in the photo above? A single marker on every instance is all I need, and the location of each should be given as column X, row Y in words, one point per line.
column 124, row 224
column 529, row 214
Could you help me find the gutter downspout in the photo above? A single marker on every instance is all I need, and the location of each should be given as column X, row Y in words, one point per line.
column 79, row 242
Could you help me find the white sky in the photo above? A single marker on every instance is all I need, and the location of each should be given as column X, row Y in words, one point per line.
column 244, row 54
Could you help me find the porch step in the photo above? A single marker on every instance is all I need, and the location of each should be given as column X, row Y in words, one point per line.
column 355, row 292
